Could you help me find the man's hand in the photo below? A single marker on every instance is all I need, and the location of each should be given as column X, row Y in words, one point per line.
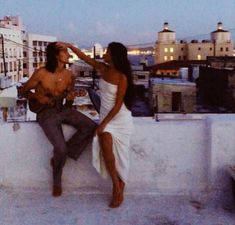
column 82, row 92
column 72, row 95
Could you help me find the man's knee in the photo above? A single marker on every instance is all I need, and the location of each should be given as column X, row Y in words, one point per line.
column 60, row 150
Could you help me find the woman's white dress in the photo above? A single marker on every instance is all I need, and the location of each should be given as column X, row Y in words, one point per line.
column 120, row 128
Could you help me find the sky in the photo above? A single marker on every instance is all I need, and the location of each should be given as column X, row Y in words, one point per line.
column 86, row 22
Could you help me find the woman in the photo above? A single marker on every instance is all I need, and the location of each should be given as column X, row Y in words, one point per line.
column 115, row 128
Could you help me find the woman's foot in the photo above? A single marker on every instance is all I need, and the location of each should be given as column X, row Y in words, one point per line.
column 122, row 186
column 117, row 195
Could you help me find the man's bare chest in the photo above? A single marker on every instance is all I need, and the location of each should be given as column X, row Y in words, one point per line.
column 55, row 84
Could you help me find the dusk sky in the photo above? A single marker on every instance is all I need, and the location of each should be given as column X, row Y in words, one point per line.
column 85, row 22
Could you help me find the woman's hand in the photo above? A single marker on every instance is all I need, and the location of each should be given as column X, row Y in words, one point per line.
column 100, row 129
column 61, row 44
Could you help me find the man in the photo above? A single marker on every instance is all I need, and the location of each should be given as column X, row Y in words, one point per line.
column 52, row 85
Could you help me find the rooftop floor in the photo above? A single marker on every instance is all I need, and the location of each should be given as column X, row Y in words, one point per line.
column 33, row 207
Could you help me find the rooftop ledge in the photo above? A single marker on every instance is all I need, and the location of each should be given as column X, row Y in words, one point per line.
column 186, row 157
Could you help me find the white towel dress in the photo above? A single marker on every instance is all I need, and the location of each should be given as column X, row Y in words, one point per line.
column 120, row 127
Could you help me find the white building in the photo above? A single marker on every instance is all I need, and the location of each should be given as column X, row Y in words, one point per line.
column 23, row 52
column 35, row 51
column 11, row 50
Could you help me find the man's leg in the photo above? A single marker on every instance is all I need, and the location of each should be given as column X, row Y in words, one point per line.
column 52, row 129
column 84, row 134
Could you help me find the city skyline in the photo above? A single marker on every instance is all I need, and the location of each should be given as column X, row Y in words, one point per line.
column 85, row 22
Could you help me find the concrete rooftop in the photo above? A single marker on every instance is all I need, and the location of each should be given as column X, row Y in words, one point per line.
column 81, row 207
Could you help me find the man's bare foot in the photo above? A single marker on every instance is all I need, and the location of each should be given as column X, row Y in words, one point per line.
column 56, row 191
column 52, row 162
column 232, row 167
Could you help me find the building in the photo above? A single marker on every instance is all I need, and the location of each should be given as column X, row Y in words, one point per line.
column 23, row 52
column 35, row 51
column 172, row 95
column 11, row 50
column 176, row 68
column 168, row 48
column 216, row 84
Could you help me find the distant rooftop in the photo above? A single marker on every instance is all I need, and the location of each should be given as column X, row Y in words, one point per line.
column 166, row 28
column 176, row 64
column 171, row 81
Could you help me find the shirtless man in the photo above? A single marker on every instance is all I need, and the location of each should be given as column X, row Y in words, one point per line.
column 52, row 85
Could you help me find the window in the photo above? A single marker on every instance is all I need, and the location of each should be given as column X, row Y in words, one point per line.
column 210, row 49
column 11, row 69
column 34, row 43
column 141, row 77
column 199, row 49
column 35, row 65
column 221, row 49
column 25, row 65
column 227, row 49
column 182, row 49
column 171, row 57
column 179, row 57
column 15, row 66
column 165, row 49
column 165, row 58
column 199, row 57
column 40, row 43
column 171, row 49
column 6, row 66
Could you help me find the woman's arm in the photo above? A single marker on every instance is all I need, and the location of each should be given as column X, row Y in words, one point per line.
column 122, row 86
column 97, row 65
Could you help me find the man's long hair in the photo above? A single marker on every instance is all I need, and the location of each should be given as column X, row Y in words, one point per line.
column 121, row 63
column 51, row 52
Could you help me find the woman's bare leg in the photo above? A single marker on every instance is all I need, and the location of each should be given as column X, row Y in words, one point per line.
column 106, row 143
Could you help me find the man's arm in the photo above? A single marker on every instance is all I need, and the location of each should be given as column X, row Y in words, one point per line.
column 29, row 85
column 71, row 94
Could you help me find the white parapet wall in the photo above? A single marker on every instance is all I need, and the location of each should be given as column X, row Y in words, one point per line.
column 188, row 156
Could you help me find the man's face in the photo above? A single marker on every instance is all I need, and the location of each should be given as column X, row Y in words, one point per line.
column 63, row 55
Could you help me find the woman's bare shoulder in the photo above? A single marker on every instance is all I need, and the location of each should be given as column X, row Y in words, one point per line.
column 122, row 77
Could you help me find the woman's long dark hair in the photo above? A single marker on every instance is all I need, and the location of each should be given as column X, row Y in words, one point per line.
column 51, row 52
column 121, row 63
